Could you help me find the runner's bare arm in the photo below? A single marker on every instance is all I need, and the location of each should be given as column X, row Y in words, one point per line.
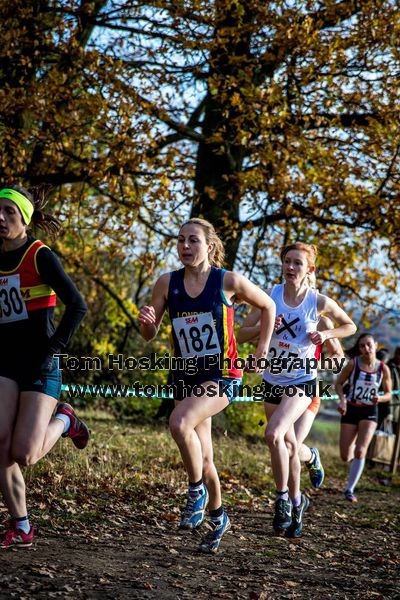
column 337, row 314
column 332, row 347
column 250, row 330
column 150, row 316
column 242, row 289
column 386, row 385
column 342, row 378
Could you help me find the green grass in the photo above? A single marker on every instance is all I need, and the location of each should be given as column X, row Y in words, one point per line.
column 127, row 463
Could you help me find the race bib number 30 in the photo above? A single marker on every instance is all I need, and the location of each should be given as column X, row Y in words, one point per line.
column 12, row 305
column 196, row 335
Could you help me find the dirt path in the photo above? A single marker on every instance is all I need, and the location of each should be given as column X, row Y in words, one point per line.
column 347, row 551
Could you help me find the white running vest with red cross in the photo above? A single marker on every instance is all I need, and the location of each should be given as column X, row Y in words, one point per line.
column 292, row 340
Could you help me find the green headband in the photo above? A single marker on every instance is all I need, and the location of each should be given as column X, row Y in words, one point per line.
column 21, row 201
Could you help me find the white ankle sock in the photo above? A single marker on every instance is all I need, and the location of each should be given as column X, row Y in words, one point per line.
column 296, row 501
column 23, row 524
column 65, row 419
column 356, row 469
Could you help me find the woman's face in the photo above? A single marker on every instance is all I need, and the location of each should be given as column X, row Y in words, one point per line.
column 367, row 346
column 295, row 266
column 11, row 223
column 192, row 245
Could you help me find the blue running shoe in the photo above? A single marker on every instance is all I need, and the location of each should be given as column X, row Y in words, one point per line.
column 212, row 540
column 296, row 527
column 316, row 470
column 194, row 511
column 283, row 515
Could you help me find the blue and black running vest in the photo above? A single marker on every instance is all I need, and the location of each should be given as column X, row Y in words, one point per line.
column 202, row 329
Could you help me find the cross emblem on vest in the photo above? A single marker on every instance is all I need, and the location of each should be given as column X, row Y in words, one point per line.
column 288, row 326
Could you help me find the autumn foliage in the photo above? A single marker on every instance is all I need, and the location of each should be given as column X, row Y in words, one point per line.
column 275, row 120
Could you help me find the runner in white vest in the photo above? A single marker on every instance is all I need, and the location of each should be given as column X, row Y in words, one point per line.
column 290, row 382
column 331, row 349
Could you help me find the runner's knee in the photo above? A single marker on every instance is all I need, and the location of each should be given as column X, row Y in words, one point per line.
column 291, row 447
column 273, row 437
column 5, row 449
column 360, row 452
column 345, row 455
column 178, row 426
column 25, row 460
column 24, row 455
column 5, row 441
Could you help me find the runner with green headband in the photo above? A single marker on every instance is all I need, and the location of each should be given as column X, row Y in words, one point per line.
column 25, row 206
column 31, row 278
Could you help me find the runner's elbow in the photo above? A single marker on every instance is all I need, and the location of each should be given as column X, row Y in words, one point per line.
column 353, row 328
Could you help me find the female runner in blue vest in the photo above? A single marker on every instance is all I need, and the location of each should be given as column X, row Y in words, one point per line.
column 290, row 383
column 200, row 300
column 358, row 405
column 30, row 379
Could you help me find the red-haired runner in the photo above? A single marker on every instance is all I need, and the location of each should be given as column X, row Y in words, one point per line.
column 290, row 381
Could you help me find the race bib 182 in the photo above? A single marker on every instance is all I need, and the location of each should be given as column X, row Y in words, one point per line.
column 196, row 335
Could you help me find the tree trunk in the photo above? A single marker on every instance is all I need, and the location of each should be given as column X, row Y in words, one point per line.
column 220, row 158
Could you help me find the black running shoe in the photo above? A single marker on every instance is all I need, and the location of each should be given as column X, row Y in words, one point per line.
column 296, row 526
column 283, row 515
